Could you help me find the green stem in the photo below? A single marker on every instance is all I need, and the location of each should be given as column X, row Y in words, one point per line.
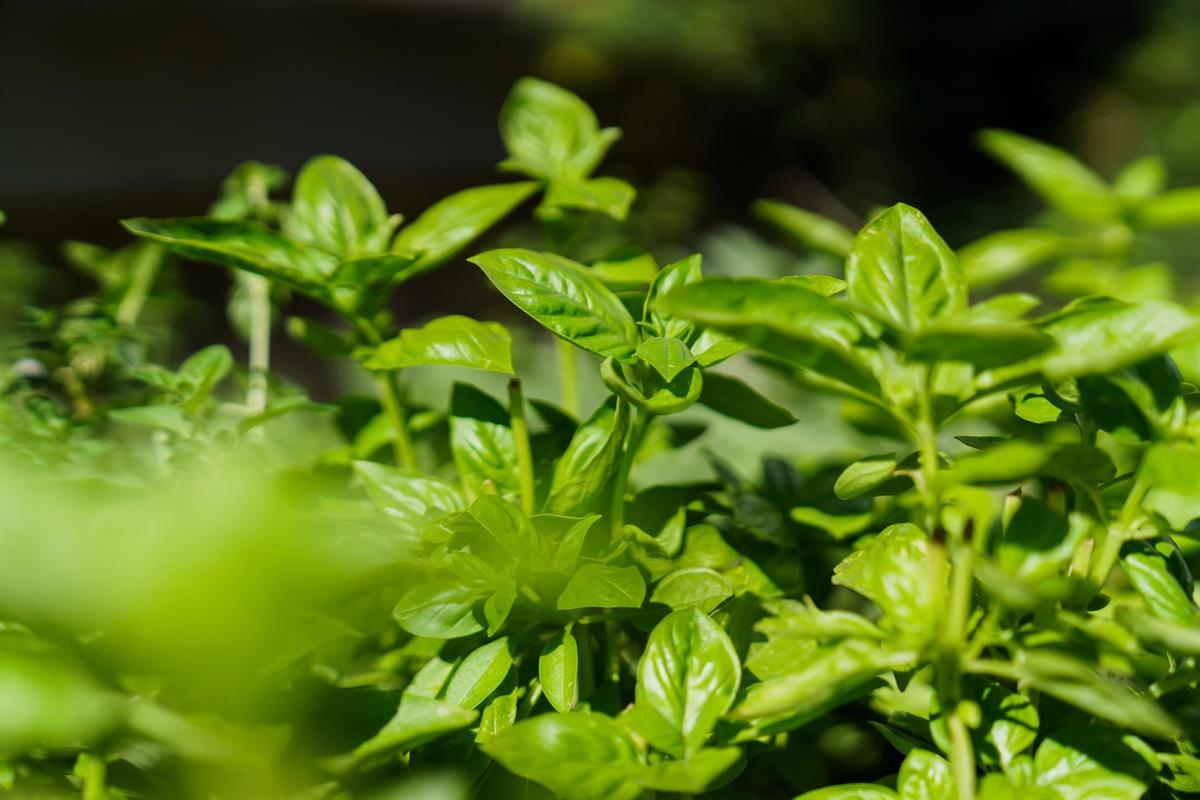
column 568, row 376
column 95, row 774
column 393, row 406
column 948, row 664
column 149, row 259
column 259, row 291
column 520, row 431
column 621, row 484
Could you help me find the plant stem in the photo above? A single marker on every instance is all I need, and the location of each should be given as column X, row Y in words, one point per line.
column 149, row 259
column 621, row 484
column 393, row 406
column 95, row 774
column 568, row 376
column 259, row 291
column 520, row 431
column 948, row 664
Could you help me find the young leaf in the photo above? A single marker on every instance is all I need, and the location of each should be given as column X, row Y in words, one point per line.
column 1054, row 174
column 703, row 771
column 453, row 222
column 242, row 245
column 893, row 572
column 870, row 475
column 335, row 208
column 418, row 720
column 1097, row 335
column 805, row 228
column 669, row 278
column 550, row 133
column 481, row 441
column 479, row 674
column 589, row 463
column 611, row 196
column 603, row 586
column 666, row 355
column 984, row 345
column 689, row 675
column 558, row 671
column 580, row 756
column 439, row 610
column 410, row 499
column 1081, row 761
column 563, row 297
column 733, row 398
column 901, row 270
column 1004, row 255
column 850, row 791
column 925, row 776
column 1171, row 209
column 1150, row 575
column 695, row 587
column 454, row 340
column 832, row 673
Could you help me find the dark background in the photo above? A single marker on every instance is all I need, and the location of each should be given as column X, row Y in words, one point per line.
column 120, row 108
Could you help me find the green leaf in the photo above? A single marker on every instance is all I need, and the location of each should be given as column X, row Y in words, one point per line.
column 1087, row 762
column 850, row 791
column 242, row 245
column 893, row 572
column 479, row 674
column 668, row 356
column 454, row 341
column 558, row 671
column 1004, row 255
column 900, row 270
column 611, row 196
column 1097, row 335
column 703, row 771
column 1077, row 682
column 984, row 345
column 824, row 285
column 439, row 610
column 561, row 295
column 481, row 441
column 498, row 716
column 659, row 397
column 783, row 320
column 806, row 228
column 52, row 702
column 733, row 398
column 1140, row 179
column 550, row 133
column 689, row 675
column 511, row 529
column 410, row 499
column 695, row 587
column 453, row 222
column 585, row 470
column 167, row 418
column 925, row 776
column 419, row 720
column 870, row 475
column 831, row 673
column 839, row 526
column 1038, row 544
column 1054, row 174
column 669, row 278
column 580, row 756
column 1009, row 722
column 1180, row 639
column 1150, row 575
column 1176, row 207
column 499, row 603
column 603, row 586
column 335, row 208
column 751, row 309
